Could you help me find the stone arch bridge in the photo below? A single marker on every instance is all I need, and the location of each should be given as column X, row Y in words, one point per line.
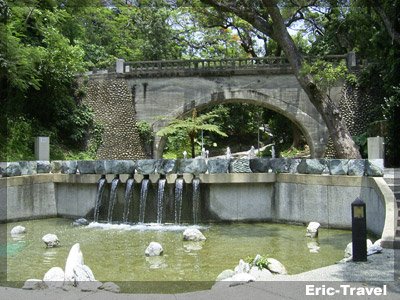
column 153, row 89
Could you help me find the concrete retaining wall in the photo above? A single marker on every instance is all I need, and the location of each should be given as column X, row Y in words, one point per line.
column 299, row 198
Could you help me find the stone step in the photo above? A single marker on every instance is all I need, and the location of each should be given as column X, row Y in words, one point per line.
column 392, row 181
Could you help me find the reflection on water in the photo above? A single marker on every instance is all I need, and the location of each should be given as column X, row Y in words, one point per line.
column 116, row 252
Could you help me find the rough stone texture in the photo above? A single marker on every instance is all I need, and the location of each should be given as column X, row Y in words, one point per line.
column 110, row 287
column 166, row 166
column 12, row 169
column 240, row 166
column 122, row 166
column 276, row 266
column 17, row 230
column 146, row 166
column 154, row 249
column 242, row 267
column 293, row 164
column 114, row 107
column 192, row 165
column 103, row 167
column 260, row 275
column 80, row 222
column 43, row 166
column 338, row 166
column 69, row 167
column 54, row 278
column 372, row 169
column 260, row 165
column 56, row 166
column 51, row 240
column 279, row 165
column 218, row 165
column 86, row 166
column 311, row 166
column 312, row 229
column 75, row 270
column 28, row 167
column 356, row 167
column 193, row 234
column 34, row 284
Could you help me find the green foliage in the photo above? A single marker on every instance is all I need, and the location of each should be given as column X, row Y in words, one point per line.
column 261, row 262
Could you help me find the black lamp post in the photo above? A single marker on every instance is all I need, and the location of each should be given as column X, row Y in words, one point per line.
column 359, row 230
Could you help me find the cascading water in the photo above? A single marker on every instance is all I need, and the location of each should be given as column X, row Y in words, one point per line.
column 128, row 198
column 99, row 196
column 143, row 198
column 178, row 199
column 196, row 199
column 160, row 199
column 113, row 196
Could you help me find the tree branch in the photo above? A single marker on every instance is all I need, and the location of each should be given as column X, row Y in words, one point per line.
column 386, row 21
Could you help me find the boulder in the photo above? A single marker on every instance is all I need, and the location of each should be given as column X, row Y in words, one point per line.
column 17, row 230
column 260, row 165
column 311, row 166
column 338, row 166
column 312, row 229
column 276, row 266
column 146, row 166
column 293, row 164
column 110, row 287
column 43, row 166
column 34, row 284
column 372, row 169
column 348, row 252
column 51, row 240
column 154, row 249
column 166, row 166
column 225, row 274
column 260, row 274
column 80, row 222
column 12, row 169
column 218, row 165
column 279, row 165
column 89, row 286
column 242, row 267
column 54, row 278
column 240, row 166
column 122, row 166
column 28, row 167
column 56, row 166
column 356, row 167
column 241, row 277
column 69, row 167
column 194, row 166
column 86, row 166
column 75, row 270
column 193, row 234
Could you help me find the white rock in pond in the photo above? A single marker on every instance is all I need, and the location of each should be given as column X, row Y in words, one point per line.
column 54, row 278
column 154, row 249
column 260, row 275
column 34, row 284
column 51, row 240
column 75, row 269
column 110, row 287
column 348, row 252
column 18, row 230
column 312, row 229
column 193, row 234
column 225, row 274
column 242, row 277
column 242, row 267
column 80, row 222
column 276, row 266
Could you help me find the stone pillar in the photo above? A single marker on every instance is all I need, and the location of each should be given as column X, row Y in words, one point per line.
column 376, row 147
column 119, row 67
column 42, row 148
column 351, row 60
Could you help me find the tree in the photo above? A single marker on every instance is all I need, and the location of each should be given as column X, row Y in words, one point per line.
column 266, row 17
column 191, row 127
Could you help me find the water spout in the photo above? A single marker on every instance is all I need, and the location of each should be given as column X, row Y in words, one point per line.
column 143, row 199
column 99, row 196
column 178, row 199
column 160, row 199
column 196, row 199
column 113, row 197
column 128, row 198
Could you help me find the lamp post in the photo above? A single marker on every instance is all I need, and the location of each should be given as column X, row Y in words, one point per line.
column 359, row 230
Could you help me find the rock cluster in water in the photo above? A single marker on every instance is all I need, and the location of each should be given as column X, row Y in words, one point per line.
column 372, row 248
column 75, row 275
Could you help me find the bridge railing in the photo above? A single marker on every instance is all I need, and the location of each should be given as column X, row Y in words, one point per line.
column 202, row 66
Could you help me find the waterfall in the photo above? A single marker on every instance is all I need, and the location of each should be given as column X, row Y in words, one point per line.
column 99, row 196
column 113, row 196
column 143, row 199
column 160, row 199
column 196, row 199
column 178, row 199
column 128, row 198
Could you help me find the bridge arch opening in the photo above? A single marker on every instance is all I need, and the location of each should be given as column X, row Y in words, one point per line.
column 247, row 123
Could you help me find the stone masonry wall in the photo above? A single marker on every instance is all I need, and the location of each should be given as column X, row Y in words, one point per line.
column 112, row 104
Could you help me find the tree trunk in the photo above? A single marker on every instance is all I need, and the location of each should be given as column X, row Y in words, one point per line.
column 342, row 140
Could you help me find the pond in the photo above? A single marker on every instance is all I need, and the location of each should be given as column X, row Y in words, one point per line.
column 116, row 252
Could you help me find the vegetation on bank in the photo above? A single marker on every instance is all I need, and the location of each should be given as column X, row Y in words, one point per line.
column 44, row 44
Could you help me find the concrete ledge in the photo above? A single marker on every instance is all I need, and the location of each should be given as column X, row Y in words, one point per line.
column 238, row 178
column 331, row 180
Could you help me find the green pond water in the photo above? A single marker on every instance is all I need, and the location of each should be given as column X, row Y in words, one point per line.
column 116, row 253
